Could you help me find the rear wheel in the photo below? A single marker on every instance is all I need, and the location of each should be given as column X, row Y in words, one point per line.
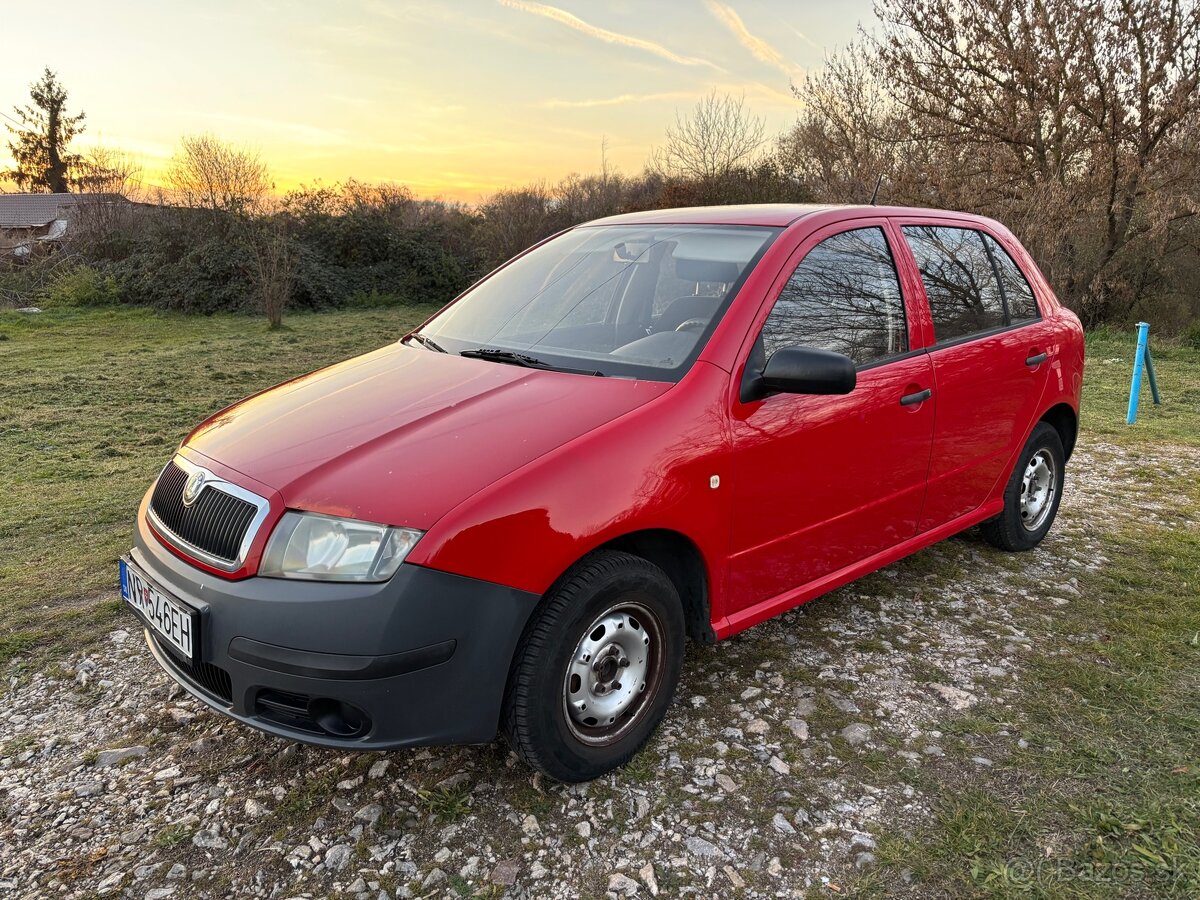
column 1032, row 496
column 597, row 668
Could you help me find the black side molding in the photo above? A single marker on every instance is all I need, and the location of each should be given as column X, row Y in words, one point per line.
column 310, row 664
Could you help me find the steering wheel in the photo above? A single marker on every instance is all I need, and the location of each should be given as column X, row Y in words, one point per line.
column 692, row 325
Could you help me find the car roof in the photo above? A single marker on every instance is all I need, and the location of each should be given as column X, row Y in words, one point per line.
column 775, row 215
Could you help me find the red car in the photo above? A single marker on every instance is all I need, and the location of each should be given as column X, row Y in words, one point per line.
column 656, row 426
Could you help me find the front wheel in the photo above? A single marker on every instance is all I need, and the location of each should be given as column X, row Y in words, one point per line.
column 1032, row 496
column 597, row 668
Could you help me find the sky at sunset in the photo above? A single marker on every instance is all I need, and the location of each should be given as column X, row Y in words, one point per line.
column 453, row 99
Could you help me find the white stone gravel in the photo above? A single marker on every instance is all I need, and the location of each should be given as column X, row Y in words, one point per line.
column 114, row 783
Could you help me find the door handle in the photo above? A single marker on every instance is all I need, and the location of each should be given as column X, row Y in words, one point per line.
column 918, row 397
column 1036, row 360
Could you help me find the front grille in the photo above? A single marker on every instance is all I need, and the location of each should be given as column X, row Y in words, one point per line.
column 216, row 523
column 209, row 678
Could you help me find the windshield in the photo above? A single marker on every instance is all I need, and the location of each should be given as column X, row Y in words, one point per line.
column 631, row 300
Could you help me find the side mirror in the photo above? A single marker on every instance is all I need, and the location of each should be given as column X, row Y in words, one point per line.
column 803, row 370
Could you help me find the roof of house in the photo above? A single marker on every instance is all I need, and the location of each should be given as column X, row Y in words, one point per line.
column 36, row 210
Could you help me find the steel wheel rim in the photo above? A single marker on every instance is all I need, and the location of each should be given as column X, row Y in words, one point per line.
column 1039, row 485
column 613, row 673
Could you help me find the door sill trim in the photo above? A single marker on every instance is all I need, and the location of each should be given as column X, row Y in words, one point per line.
column 773, row 606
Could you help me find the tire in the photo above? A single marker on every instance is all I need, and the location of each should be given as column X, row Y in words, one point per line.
column 1027, row 514
column 566, row 659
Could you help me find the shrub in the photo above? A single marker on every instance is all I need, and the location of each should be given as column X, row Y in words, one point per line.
column 194, row 261
column 16, row 288
column 353, row 243
column 81, row 285
column 1191, row 336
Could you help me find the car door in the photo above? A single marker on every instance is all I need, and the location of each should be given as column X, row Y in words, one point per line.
column 822, row 482
column 990, row 361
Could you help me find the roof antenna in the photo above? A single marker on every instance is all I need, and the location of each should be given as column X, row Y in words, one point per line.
column 875, row 193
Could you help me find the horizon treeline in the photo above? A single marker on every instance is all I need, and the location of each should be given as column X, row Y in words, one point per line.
column 1076, row 123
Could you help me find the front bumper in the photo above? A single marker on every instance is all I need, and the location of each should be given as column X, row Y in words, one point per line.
column 420, row 659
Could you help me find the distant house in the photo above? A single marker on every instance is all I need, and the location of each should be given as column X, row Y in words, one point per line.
column 32, row 221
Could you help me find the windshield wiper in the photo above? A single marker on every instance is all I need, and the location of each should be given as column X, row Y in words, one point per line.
column 507, row 356
column 427, row 342
column 512, row 358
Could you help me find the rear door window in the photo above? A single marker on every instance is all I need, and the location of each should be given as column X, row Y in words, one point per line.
column 965, row 296
column 843, row 296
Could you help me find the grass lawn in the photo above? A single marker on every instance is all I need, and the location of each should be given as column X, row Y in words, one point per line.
column 1103, row 801
column 94, row 403
column 1106, row 392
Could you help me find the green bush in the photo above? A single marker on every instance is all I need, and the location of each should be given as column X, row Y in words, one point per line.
column 192, row 261
column 16, row 288
column 1191, row 336
column 368, row 254
column 368, row 246
column 81, row 285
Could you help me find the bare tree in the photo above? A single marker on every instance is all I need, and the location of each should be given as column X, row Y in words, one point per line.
column 848, row 132
column 718, row 136
column 233, row 184
column 208, row 173
column 274, row 266
column 579, row 198
column 108, row 170
column 107, row 225
column 1065, row 118
column 514, row 219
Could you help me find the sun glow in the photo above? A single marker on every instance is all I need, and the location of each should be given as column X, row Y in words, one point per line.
column 453, row 100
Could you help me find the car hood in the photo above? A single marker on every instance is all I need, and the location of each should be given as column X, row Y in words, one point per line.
column 403, row 435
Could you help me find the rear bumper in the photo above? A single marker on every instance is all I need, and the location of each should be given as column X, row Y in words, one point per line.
column 421, row 659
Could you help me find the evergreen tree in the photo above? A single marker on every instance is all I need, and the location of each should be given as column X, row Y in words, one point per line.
column 39, row 144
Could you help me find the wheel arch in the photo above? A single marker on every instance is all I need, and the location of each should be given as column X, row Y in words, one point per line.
column 1063, row 419
column 680, row 558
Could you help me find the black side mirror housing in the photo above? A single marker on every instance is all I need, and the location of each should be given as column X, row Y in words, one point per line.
column 804, row 370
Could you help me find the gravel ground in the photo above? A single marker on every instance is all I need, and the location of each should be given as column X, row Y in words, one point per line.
column 790, row 747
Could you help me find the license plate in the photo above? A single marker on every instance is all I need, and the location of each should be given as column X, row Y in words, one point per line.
column 171, row 619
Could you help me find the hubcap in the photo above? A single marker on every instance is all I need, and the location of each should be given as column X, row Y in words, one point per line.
column 612, row 673
column 1039, row 483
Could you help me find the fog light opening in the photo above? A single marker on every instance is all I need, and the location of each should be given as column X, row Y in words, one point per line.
column 338, row 718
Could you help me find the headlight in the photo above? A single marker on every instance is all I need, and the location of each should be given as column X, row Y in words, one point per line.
column 324, row 548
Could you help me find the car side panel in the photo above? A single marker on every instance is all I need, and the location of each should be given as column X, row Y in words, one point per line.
column 1064, row 382
column 760, row 612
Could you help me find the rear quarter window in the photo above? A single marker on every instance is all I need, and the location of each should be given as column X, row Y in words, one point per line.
column 1022, row 304
column 964, row 293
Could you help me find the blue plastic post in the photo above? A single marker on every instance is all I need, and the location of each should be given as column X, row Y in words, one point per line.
column 1139, row 362
column 1150, row 375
